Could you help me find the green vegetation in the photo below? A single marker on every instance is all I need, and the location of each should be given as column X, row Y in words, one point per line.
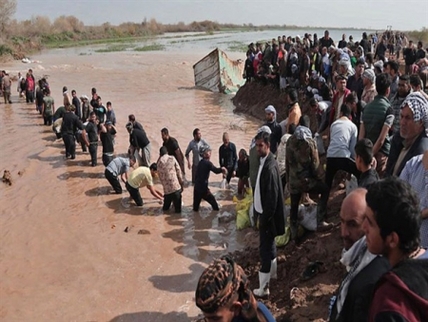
column 152, row 47
column 115, row 48
column 419, row 35
column 238, row 46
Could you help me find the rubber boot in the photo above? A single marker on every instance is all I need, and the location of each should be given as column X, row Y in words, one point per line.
column 273, row 269
column 264, row 285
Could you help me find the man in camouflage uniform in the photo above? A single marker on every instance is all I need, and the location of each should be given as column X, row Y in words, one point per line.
column 302, row 164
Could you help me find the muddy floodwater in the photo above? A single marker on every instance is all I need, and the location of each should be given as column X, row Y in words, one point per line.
column 64, row 252
column 72, row 251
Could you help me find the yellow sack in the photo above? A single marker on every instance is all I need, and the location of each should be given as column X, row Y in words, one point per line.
column 283, row 240
column 242, row 219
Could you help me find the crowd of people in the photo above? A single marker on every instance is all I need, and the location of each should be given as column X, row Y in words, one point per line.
column 372, row 123
column 300, row 61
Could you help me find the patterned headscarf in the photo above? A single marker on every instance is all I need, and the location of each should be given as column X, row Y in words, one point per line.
column 219, row 282
column 418, row 104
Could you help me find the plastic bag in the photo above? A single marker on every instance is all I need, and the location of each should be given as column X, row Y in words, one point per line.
column 351, row 184
column 308, row 216
column 242, row 219
column 283, row 240
column 320, row 144
column 251, row 215
column 223, row 184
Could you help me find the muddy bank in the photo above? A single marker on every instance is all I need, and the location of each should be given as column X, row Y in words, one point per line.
column 252, row 99
column 291, row 298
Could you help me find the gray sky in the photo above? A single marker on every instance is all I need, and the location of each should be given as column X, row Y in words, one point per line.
column 371, row 14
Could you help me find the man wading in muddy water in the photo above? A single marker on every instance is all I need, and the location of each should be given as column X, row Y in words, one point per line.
column 269, row 208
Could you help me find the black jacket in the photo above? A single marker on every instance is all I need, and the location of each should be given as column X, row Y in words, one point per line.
column 357, row 302
column 418, row 147
column 138, row 139
column 272, row 197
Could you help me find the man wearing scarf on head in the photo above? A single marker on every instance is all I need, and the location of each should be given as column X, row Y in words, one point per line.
column 413, row 137
column 223, row 294
column 274, row 126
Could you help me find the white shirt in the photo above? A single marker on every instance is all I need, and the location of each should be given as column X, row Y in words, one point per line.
column 343, row 137
column 257, row 196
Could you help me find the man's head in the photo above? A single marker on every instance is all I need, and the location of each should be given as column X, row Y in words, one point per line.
column 64, row 90
column 326, row 34
column 403, row 86
column 415, row 82
column 153, row 169
column 352, row 214
column 109, row 106
column 162, row 151
column 343, row 37
column 93, row 117
column 391, row 67
column 270, row 113
column 129, row 127
column 413, row 116
column 99, row 101
column 93, row 90
column 392, row 220
column 292, row 95
column 341, row 83
column 263, row 144
column 313, row 103
column 131, row 118
column 226, row 139
column 205, row 152
column 411, row 44
column 363, row 154
column 383, row 81
column 73, row 93
column 345, row 110
column 223, row 292
column 165, row 134
column 197, row 134
column 420, row 45
column 369, row 77
column 359, row 67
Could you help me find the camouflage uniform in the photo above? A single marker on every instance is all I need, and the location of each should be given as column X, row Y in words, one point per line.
column 302, row 164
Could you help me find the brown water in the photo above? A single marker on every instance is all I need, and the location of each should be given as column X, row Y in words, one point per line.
column 64, row 255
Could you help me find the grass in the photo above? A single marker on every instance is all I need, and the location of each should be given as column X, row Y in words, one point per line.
column 115, row 48
column 87, row 42
column 152, row 47
column 237, row 46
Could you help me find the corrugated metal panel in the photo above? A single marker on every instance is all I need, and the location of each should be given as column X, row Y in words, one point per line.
column 217, row 73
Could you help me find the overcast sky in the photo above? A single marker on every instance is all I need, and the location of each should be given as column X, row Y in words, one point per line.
column 370, row 14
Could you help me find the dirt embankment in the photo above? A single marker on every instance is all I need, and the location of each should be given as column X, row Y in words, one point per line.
column 252, row 99
column 292, row 298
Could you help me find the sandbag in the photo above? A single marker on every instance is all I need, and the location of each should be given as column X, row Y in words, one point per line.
column 351, row 184
column 308, row 216
column 242, row 219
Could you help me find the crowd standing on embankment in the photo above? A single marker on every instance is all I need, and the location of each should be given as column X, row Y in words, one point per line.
column 374, row 118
